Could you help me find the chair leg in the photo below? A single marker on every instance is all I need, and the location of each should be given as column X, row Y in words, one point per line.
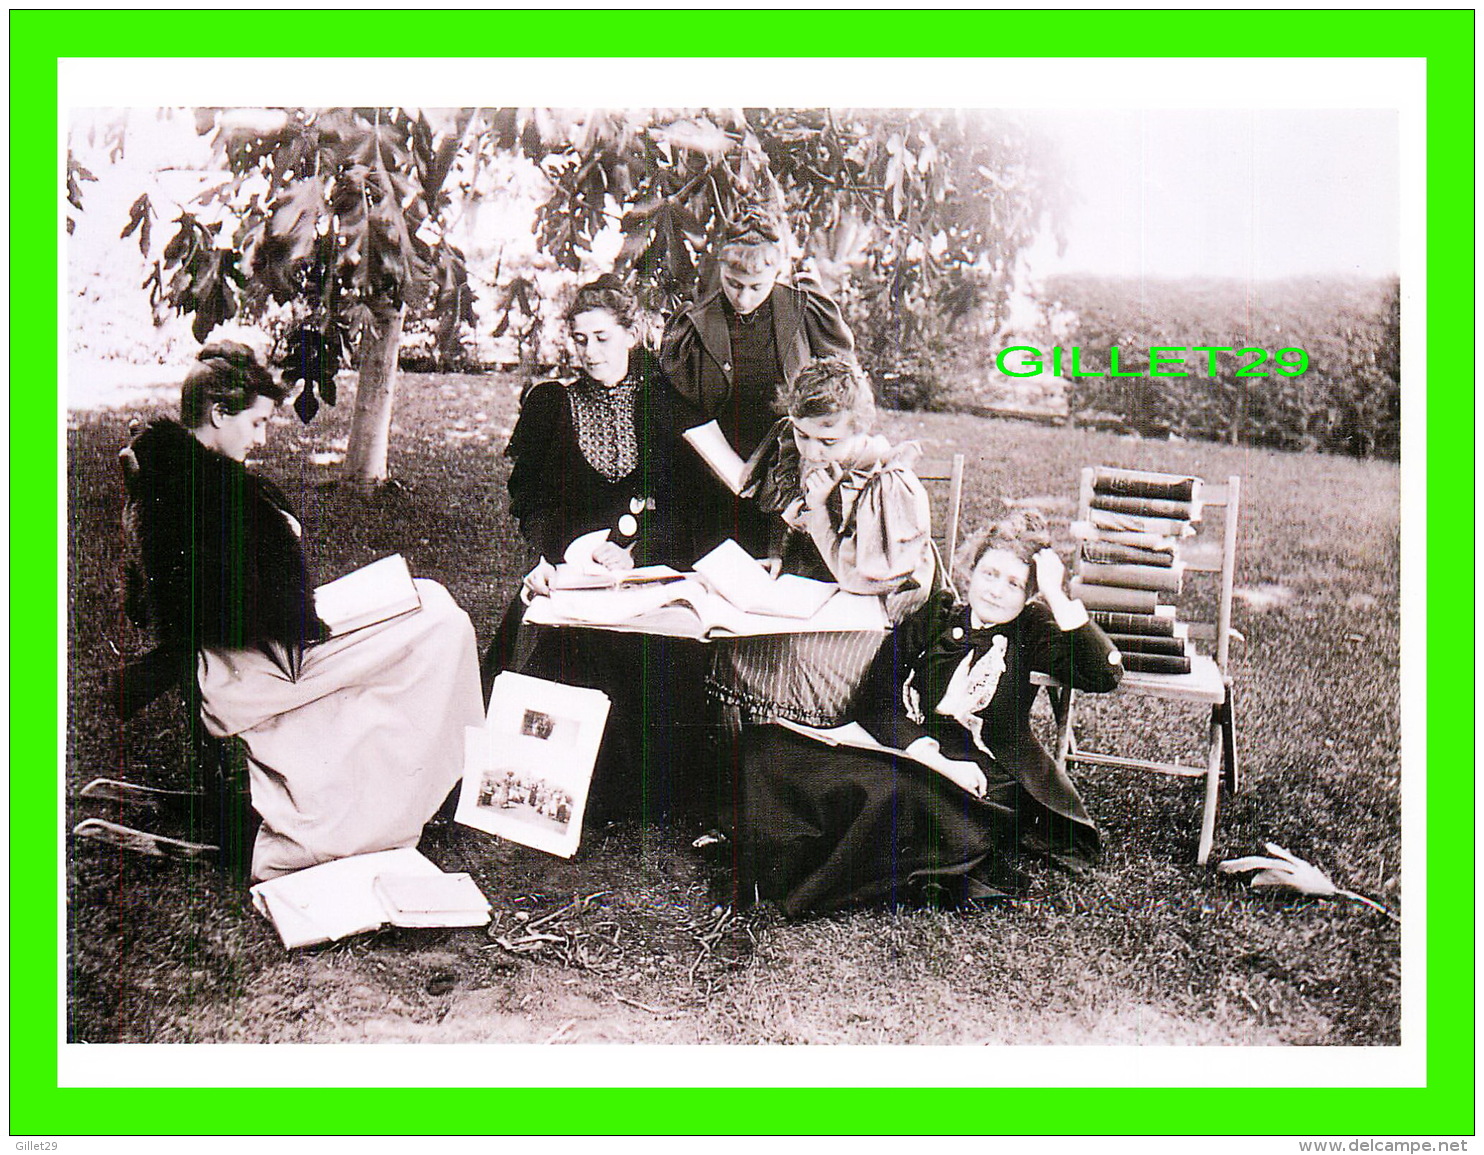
column 1213, row 789
column 1061, row 710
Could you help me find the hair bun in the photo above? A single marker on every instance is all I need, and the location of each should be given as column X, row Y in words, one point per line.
column 234, row 353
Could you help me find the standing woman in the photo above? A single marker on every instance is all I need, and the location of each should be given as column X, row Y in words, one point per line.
column 352, row 742
column 730, row 353
column 603, row 453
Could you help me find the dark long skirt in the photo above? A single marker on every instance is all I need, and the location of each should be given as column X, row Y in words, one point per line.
column 827, row 827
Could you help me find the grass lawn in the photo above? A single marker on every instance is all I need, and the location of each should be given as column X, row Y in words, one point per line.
column 1149, row 949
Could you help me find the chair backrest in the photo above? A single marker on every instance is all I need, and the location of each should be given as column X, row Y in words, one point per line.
column 949, row 471
column 1205, row 553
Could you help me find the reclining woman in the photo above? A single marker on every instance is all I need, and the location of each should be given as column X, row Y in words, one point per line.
column 941, row 821
column 602, row 453
column 352, row 742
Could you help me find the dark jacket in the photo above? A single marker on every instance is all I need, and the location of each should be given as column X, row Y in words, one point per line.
column 556, row 495
column 696, row 352
column 898, row 700
column 220, row 564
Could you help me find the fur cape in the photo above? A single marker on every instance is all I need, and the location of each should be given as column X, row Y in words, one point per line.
column 216, row 562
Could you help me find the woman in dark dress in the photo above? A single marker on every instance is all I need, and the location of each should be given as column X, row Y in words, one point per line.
column 730, row 353
column 831, row 826
column 602, row 453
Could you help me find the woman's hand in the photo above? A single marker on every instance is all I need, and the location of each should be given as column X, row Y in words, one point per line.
column 614, row 557
column 816, row 485
column 965, row 775
column 1050, row 575
column 537, row 583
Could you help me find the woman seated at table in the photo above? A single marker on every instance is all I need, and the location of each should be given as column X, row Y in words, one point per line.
column 843, row 506
column 602, row 454
column 939, row 822
column 352, row 742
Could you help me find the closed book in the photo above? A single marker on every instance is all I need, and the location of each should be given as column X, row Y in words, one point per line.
column 1112, row 553
column 1155, row 664
column 1143, row 625
column 1134, row 577
column 431, row 900
column 1148, row 507
column 1111, row 521
column 1136, row 483
column 1096, row 597
column 1145, row 644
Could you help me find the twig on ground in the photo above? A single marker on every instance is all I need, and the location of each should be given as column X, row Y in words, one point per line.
column 560, row 1031
column 641, row 1006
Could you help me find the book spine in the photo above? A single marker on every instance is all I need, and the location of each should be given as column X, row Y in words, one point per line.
column 1133, row 483
column 1145, row 625
column 1098, row 597
column 1112, row 553
column 1143, row 644
column 1134, row 577
column 1111, row 520
column 1156, row 664
column 1148, row 507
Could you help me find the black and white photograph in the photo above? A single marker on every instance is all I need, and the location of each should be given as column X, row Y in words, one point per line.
column 1102, row 405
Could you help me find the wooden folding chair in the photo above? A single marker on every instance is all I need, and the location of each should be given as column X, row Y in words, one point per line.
column 1208, row 682
column 949, row 471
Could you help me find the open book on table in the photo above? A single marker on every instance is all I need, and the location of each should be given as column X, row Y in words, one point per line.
column 579, row 571
column 688, row 609
column 373, row 594
column 366, row 892
column 527, row 770
column 732, row 572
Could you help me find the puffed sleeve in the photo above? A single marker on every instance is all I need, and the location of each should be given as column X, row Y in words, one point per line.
column 680, row 360
column 1083, row 658
column 882, row 545
column 533, row 492
column 824, row 324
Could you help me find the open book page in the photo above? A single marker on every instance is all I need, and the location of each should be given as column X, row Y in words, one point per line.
column 374, row 593
column 710, row 442
column 740, row 578
column 334, row 899
column 852, row 734
column 579, row 571
column 528, row 769
column 687, row 609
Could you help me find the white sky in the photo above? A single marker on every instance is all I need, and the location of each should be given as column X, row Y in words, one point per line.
column 1231, row 193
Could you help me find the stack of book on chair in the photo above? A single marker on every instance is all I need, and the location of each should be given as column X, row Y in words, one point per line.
column 1129, row 572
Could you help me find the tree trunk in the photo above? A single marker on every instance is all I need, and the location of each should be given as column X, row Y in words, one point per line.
column 376, row 391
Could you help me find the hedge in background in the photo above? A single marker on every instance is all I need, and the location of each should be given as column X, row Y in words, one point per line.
column 1348, row 401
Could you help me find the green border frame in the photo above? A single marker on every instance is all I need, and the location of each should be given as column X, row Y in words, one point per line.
column 1445, row 1106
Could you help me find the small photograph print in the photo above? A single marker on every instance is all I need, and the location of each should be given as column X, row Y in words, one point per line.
column 550, row 727
column 526, row 798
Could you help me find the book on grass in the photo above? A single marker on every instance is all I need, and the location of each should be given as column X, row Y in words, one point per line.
column 347, row 896
column 528, row 769
column 736, row 575
column 711, row 444
column 689, row 609
column 579, row 571
column 373, row 594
